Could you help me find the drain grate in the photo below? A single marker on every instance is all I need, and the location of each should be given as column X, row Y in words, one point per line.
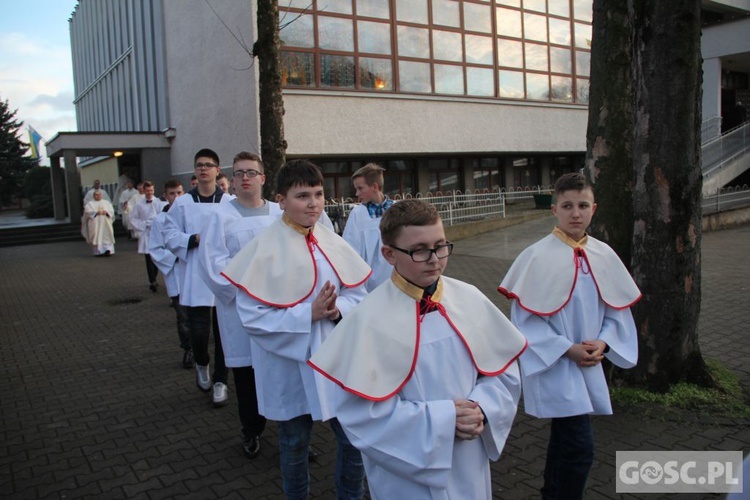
column 125, row 302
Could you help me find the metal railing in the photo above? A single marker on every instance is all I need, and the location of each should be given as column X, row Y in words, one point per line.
column 726, row 199
column 455, row 207
column 724, row 149
column 710, row 129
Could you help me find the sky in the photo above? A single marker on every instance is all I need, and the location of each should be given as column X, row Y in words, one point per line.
column 36, row 74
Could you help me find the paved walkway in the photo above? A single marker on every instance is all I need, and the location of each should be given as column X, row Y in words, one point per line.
column 94, row 403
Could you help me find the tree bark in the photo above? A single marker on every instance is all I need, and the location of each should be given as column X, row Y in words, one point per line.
column 609, row 137
column 666, row 252
column 271, row 102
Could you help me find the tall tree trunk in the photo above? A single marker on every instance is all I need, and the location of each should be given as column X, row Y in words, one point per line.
column 271, row 103
column 667, row 190
column 609, row 143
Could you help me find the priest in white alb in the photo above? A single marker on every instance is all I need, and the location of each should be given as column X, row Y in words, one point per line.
column 98, row 215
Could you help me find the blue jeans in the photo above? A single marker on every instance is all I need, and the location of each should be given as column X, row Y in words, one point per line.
column 294, row 448
column 570, row 455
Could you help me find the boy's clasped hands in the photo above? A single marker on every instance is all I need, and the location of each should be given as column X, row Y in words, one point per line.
column 324, row 305
column 469, row 419
column 587, row 353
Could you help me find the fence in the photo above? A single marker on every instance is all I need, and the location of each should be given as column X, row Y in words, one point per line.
column 710, row 129
column 718, row 152
column 726, row 199
column 458, row 207
column 455, row 207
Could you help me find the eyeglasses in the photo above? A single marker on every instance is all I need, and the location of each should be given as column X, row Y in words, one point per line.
column 425, row 254
column 239, row 174
column 201, row 166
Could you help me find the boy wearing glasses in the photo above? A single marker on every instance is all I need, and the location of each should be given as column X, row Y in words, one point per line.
column 427, row 364
column 295, row 280
column 230, row 228
column 182, row 237
column 362, row 229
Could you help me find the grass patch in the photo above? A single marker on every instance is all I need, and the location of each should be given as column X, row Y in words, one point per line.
column 726, row 399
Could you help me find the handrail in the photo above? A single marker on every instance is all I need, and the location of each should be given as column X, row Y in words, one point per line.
column 725, row 148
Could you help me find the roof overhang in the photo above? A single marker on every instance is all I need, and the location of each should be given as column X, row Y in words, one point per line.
column 105, row 143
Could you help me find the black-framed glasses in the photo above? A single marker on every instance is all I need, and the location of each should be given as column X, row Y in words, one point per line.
column 425, row 254
column 201, row 166
column 239, row 174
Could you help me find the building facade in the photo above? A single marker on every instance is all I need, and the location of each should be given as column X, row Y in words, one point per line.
column 446, row 94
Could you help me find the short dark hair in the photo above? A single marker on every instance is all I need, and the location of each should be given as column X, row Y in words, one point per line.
column 297, row 173
column 411, row 212
column 372, row 173
column 193, row 177
column 247, row 155
column 573, row 181
column 221, row 176
column 207, row 153
column 171, row 184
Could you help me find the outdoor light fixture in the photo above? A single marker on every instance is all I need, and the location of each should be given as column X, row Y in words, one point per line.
column 118, row 154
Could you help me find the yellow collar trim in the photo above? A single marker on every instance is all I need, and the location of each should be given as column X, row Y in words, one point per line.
column 304, row 231
column 570, row 241
column 413, row 290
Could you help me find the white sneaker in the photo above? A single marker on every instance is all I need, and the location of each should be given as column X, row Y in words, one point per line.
column 202, row 379
column 220, row 394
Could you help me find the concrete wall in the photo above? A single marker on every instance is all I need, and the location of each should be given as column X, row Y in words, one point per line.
column 211, row 82
column 333, row 123
column 104, row 170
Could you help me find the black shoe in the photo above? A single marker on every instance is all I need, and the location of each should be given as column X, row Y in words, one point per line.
column 152, row 287
column 312, row 456
column 187, row 359
column 251, row 447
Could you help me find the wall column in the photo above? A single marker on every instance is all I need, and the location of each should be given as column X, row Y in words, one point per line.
column 73, row 182
column 57, row 178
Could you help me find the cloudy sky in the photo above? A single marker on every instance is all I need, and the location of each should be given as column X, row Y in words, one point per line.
column 36, row 76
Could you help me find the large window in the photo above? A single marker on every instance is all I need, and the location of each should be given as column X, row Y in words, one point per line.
column 337, row 177
column 512, row 49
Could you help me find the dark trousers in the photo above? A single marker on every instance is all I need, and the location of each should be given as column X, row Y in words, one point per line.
column 200, row 320
column 151, row 269
column 253, row 423
column 570, row 455
column 183, row 325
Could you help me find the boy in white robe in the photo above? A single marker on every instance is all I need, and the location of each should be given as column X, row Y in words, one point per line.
column 97, row 228
column 295, row 280
column 184, row 222
column 571, row 299
column 128, row 207
column 428, row 367
column 228, row 230
column 141, row 219
column 166, row 262
column 362, row 230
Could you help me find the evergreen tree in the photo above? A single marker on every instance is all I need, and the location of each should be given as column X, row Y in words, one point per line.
column 13, row 162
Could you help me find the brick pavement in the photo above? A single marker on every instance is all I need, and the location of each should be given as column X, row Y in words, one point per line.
column 95, row 404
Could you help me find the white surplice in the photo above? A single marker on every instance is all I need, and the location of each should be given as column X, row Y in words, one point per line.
column 98, row 229
column 553, row 385
column 362, row 232
column 226, row 231
column 184, row 219
column 275, row 307
column 162, row 258
column 142, row 217
column 405, row 429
